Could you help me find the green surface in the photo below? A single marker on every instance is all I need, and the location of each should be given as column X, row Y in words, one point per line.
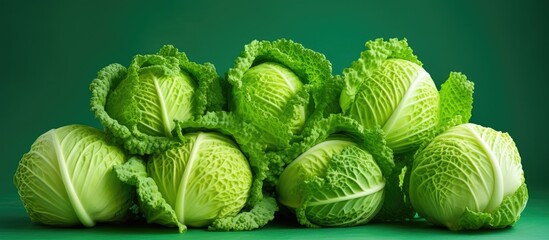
column 533, row 225
column 52, row 50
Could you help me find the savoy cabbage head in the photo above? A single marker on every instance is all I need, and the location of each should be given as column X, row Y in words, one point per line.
column 388, row 87
column 469, row 177
column 140, row 104
column 67, row 178
column 205, row 182
column 337, row 174
column 272, row 84
column 334, row 183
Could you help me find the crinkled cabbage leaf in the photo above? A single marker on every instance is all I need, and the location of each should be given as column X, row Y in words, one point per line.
column 139, row 105
column 271, row 87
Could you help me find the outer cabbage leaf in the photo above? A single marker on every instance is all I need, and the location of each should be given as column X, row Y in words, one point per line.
column 257, row 217
column 138, row 105
column 463, row 177
column 456, row 102
column 326, row 98
column 271, row 85
column 152, row 204
column 67, row 178
column 505, row 215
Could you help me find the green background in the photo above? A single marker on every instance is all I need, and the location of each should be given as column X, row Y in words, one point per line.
column 51, row 50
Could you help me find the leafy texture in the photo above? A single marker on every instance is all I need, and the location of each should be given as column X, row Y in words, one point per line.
column 205, row 179
column 375, row 143
column 67, row 178
column 456, row 102
column 257, row 217
column 271, row 87
column 371, row 140
column 138, row 105
column 152, row 204
column 336, row 180
column 350, row 193
column 388, row 87
column 469, row 177
column 246, row 136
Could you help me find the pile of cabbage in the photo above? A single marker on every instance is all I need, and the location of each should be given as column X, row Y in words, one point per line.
column 184, row 147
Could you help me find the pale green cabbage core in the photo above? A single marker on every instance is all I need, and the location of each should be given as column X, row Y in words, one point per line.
column 152, row 105
column 266, row 90
column 466, row 168
column 206, row 178
column 401, row 97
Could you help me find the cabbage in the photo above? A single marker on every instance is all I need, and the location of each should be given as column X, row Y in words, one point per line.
column 139, row 105
column 263, row 205
column 245, row 135
column 204, row 182
column 469, row 177
column 338, row 179
column 271, row 88
column 67, row 178
column 388, row 87
column 350, row 192
column 268, row 87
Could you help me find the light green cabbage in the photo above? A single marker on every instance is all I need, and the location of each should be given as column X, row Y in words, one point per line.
column 246, row 136
column 139, row 105
column 335, row 180
column 67, row 178
column 272, row 83
column 204, row 182
column 388, row 87
column 266, row 89
column 335, row 183
column 469, row 177
column 263, row 206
